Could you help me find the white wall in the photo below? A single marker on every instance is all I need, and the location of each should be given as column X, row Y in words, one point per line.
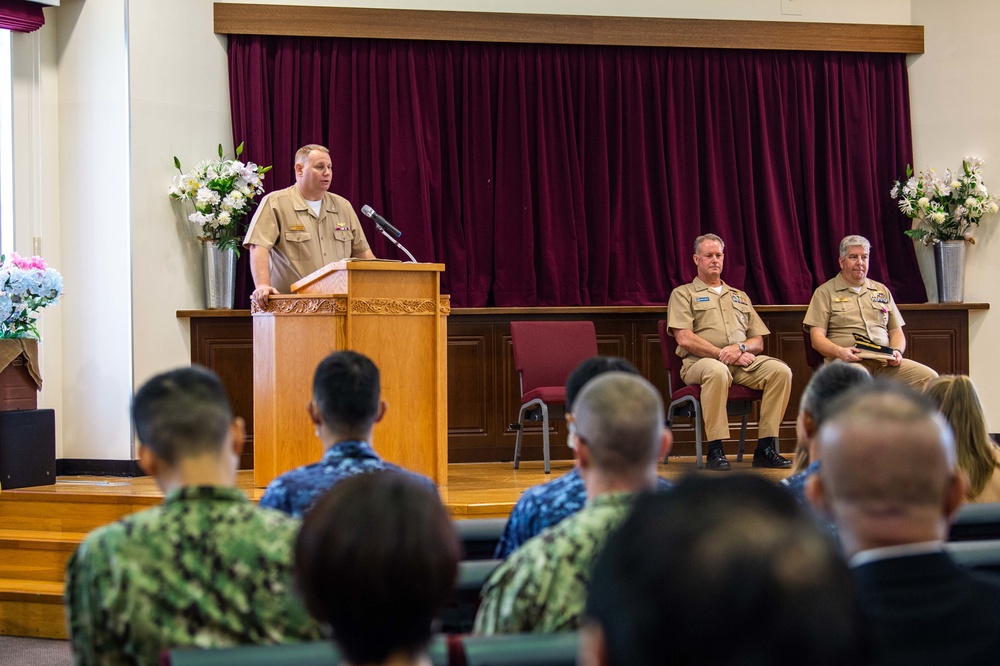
column 124, row 112
column 95, row 184
column 826, row 11
column 36, row 189
column 179, row 105
column 955, row 108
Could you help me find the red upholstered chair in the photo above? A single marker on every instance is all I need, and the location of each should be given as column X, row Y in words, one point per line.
column 686, row 400
column 814, row 359
column 545, row 352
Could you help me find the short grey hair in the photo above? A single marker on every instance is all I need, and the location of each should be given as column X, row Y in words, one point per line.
column 708, row 237
column 851, row 241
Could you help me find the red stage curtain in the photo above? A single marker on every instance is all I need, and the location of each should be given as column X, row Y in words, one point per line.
column 21, row 15
column 548, row 175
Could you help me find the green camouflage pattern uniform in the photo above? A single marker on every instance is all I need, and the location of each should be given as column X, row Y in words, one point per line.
column 542, row 586
column 206, row 568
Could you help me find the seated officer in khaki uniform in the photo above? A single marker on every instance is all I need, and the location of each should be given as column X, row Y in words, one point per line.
column 302, row 228
column 851, row 303
column 720, row 337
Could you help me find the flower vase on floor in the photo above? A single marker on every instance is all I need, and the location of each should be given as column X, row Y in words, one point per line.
column 949, row 265
column 220, row 276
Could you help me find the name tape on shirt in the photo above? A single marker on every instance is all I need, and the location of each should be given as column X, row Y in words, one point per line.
column 704, row 299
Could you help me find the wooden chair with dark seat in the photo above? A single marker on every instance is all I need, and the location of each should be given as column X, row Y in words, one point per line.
column 545, row 352
column 814, row 359
column 685, row 400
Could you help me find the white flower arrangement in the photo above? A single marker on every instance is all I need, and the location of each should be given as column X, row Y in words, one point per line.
column 947, row 207
column 26, row 285
column 223, row 193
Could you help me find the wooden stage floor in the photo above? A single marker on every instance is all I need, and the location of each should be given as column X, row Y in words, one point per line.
column 475, row 490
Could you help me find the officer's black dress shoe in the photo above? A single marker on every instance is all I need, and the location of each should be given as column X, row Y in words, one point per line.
column 716, row 460
column 766, row 456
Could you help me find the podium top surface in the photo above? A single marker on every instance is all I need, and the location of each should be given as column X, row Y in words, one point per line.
column 380, row 265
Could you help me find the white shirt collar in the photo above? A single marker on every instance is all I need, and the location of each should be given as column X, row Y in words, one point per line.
column 888, row 552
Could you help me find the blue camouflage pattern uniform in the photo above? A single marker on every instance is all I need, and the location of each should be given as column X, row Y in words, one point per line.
column 542, row 587
column 295, row 492
column 546, row 505
column 206, row 568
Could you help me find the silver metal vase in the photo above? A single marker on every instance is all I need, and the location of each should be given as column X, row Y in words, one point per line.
column 220, row 276
column 949, row 265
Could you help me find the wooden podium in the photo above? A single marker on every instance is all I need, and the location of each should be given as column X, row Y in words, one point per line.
column 391, row 312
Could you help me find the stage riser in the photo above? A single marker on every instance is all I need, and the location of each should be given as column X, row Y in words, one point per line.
column 34, row 614
column 55, row 515
column 39, row 558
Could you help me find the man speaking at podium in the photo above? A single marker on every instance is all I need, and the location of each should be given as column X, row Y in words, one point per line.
column 302, row 228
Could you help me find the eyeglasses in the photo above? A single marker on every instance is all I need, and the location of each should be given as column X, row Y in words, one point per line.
column 573, row 436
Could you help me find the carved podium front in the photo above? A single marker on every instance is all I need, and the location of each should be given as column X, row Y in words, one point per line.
column 391, row 312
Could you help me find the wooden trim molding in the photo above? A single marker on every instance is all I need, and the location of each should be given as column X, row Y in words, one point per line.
column 294, row 20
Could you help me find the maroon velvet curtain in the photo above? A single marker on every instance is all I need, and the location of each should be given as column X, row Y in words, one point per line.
column 21, row 15
column 577, row 175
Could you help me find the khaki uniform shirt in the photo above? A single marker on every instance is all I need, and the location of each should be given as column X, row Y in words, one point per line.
column 722, row 319
column 299, row 241
column 842, row 313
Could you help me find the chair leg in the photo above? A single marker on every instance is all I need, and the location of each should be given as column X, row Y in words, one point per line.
column 670, row 422
column 697, row 435
column 743, row 437
column 517, row 444
column 545, row 436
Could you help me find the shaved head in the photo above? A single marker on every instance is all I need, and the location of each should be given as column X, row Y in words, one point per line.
column 888, row 472
column 620, row 417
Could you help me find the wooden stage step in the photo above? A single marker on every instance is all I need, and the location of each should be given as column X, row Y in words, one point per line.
column 41, row 527
column 32, row 608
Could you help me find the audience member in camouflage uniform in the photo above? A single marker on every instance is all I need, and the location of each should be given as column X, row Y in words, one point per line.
column 545, row 505
column 206, row 568
column 618, row 434
column 346, row 405
column 375, row 560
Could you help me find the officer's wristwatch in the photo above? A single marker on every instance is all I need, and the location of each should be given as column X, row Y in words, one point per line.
column 742, row 347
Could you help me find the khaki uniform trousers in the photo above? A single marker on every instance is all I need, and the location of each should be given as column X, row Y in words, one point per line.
column 908, row 372
column 766, row 374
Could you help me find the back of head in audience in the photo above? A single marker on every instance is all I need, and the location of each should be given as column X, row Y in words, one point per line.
column 592, row 367
column 721, row 571
column 826, row 385
column 347, row 394
column 956, row 397
column 889, row 474
column 375, row 559
column 183, row 414
column 618, row 431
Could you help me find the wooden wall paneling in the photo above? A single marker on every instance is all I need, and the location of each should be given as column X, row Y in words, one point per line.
column 482, row 386
column 257, row 19
column 226, row 346
column 938, row 340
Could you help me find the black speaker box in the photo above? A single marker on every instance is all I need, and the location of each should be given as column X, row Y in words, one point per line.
column 27, row 448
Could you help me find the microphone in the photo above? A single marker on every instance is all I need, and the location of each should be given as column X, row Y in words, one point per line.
column 370, row 213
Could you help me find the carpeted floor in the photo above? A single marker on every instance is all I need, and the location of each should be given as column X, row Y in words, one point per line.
column 16, row 651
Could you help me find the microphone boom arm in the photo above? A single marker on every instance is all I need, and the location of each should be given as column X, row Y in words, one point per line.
column 394, row 241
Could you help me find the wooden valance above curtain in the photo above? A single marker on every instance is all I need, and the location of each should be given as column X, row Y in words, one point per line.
column 301, row 21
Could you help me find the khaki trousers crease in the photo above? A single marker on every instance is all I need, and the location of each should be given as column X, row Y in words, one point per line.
column 766, row 374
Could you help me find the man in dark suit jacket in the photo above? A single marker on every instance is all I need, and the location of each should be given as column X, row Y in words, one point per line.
column 890, row 482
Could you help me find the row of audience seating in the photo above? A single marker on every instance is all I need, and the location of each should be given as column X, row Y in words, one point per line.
column 974, row 543
column 973, row 522
column 445, row 650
